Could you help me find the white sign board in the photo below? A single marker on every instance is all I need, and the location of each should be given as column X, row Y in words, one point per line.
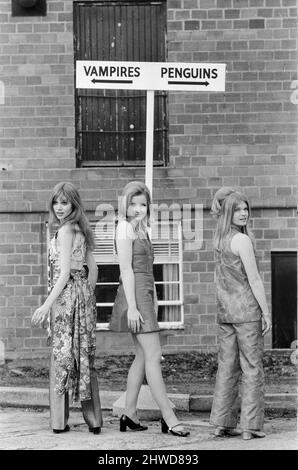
column 150, row 76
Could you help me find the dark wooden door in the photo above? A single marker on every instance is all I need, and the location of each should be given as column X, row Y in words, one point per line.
column 284, row 298
column 111, row 124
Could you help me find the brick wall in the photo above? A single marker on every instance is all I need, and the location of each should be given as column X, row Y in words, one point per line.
column 245, row 137
column 23, row 272
column 37, row 119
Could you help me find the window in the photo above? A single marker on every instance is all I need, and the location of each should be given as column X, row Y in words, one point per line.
column 27, row 8
column 167, row 243
column 111, row 124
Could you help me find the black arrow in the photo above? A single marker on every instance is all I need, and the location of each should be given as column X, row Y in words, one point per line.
column 188, row 83
column 111, row 81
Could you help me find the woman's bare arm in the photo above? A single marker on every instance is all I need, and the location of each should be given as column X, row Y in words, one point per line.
column 92, row 268
column 65, row 236
column 124, row 239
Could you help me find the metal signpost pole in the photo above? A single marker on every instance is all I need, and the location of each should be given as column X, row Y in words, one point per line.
column 149, row 140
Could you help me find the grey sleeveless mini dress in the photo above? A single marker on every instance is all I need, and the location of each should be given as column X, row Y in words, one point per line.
column 142, row 265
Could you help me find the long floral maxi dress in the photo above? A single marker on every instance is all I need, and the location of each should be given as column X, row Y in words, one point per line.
column 71, row 329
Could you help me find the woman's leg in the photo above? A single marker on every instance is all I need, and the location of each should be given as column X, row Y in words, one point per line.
column 225, row 404
column 59, row 404
column 91, row 408
column 251, row 343
column 134, row 382
column 150, row 345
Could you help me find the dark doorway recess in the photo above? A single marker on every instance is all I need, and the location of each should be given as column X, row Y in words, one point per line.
column 284, row 298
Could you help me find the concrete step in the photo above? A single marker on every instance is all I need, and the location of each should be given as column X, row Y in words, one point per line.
column 34, row 397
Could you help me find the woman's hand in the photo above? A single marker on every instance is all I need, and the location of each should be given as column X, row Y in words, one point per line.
column 92, row 285
column 40, row 315
column 134, row 319
column 266, row 323
column 92, row 269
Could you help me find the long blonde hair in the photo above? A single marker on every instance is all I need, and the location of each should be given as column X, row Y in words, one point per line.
column 225, row 217
column 77, row 215
column 134, row 188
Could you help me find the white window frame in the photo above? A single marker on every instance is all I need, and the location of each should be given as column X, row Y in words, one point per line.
column 166, row 251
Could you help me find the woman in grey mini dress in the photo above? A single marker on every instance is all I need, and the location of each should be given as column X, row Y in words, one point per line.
column 135, row 308
column 243, row 319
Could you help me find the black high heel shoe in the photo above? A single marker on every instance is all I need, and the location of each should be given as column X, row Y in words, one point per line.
column 95, row 430
column 165, row 428
column 125, row 422
column 58, row 431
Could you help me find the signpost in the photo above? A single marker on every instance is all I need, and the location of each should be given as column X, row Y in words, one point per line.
column 150, row 76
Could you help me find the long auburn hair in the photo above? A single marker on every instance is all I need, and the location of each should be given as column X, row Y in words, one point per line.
column 134, row 188
column 77, row 215
column 224, row 222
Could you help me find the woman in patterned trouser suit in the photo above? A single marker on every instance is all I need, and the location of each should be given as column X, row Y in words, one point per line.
column 70, row 311
column 243, row 319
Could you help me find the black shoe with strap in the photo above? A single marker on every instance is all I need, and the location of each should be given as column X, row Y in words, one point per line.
column 58, row 431
column 126, row 422
column 165, row 428
column 95, row 430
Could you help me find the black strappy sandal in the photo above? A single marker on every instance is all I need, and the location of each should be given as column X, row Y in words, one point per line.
column 95, row 430
column 165, row 428
column 58, row 431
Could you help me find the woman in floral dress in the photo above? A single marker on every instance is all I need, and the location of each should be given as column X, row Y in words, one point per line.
column 70, row 312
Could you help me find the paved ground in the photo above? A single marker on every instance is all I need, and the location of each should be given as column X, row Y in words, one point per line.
column 28, row 429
